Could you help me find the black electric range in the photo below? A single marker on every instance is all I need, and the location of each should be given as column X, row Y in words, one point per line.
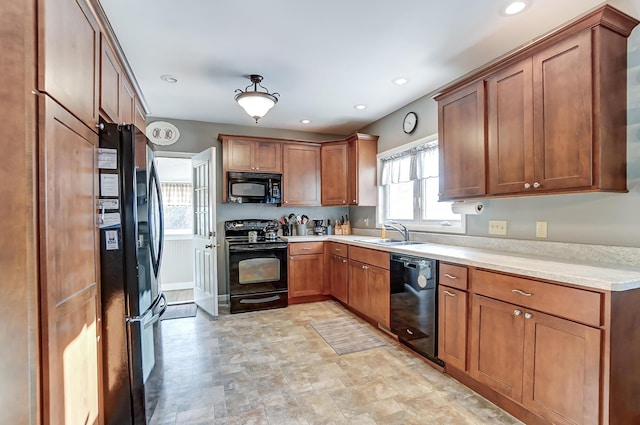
column 257, row 268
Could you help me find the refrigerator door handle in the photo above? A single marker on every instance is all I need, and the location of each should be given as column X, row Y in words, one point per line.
column 163, row 308
column 154, row 185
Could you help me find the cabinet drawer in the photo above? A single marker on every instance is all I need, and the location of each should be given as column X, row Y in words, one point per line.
column 298, row 248
column 369, row 256
column 338, row 249
column 452, row 275
column 575, row 304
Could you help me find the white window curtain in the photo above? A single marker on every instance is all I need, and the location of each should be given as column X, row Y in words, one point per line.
column 417, row 163
column 176, row 194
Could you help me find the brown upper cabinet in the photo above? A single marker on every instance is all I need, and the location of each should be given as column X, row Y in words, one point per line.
column 117, row 98
column 554, row 117
column 301, row 176
column 253, row 155
column 139, row 116
column 68, row 57
column 349, row 171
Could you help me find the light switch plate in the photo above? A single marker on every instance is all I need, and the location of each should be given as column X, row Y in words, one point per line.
column 497, row 227
column 541, row 229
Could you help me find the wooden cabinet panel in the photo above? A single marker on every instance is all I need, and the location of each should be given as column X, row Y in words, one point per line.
column 339, row 249
column 362, row 170
column 562, row 90
column 510, row 118
column 252, row 155
column 585, row 306
column 497, row 345
column 139, row 116
column 302, row 248
column 301, row 175
column 68, row 56
column 267, row 157
column 562, row 369
column 369, row 256
column 69, row 281
column 306, row 275
column 334, row 173
column 358, row 291
column 461, row 133
column 127, row 102
column 110, row 82
column 379, row 308
column 452, row 327
column 239, row 155
column 453, row 275
column 339, row 277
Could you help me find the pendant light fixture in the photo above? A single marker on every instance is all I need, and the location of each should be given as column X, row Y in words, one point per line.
column 256, row 103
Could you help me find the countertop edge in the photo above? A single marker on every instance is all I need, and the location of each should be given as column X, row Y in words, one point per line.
column 589, row 276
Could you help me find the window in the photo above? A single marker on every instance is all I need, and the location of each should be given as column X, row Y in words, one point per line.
column 409, row 186
column 177, row 194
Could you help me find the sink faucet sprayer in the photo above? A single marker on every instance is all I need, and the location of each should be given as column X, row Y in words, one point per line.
column 399, row 227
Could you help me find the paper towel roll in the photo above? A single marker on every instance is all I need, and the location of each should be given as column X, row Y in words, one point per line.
column 470, row 208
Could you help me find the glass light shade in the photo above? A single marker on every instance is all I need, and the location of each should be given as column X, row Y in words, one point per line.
column 255, row 103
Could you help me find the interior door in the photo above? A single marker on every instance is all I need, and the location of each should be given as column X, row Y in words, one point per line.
column 205, row 292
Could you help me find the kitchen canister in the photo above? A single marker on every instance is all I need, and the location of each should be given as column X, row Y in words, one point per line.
column 301, row 229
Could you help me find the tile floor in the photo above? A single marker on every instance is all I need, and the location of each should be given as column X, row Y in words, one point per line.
column 271, row 367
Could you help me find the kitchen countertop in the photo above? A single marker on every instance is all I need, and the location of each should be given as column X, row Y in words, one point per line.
column 609, row 277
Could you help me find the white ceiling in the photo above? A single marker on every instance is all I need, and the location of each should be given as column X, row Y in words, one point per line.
column 323, row 57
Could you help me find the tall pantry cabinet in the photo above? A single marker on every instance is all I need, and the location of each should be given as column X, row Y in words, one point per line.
column 50, row 301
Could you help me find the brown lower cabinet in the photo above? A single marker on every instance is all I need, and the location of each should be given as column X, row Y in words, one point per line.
column 369, row 291
column 306, row 265
column 339, row 277
column 452, row 335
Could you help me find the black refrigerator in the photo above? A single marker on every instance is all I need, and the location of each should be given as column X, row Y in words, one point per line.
column 131, row 233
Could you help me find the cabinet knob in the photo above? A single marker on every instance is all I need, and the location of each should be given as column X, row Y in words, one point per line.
column 528, row 315
column 354, row 201
column 258, row 168
column 527, row 185
column 536, row 185
column 286, row 202
column 344, row 202
column 344, row 261
column 517, row 312
column 365, row 267
column 100, row 126
column 291, row 258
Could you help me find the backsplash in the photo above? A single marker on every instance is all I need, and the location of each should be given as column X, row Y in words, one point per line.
column 574, row 252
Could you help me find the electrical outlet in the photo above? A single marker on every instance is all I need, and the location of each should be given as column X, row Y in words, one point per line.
column 366, row 221
column 497, row 227
column 541, row 229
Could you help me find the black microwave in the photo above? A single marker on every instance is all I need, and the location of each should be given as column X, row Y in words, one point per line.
column 254, row 188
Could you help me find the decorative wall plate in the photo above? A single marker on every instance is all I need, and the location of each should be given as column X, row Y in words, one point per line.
column 162, row 133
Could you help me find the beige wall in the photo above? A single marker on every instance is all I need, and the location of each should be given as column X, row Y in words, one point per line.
column 595, row 218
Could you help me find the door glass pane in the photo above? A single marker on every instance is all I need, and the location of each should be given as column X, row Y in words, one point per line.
column 257, row 270
column 201, row 200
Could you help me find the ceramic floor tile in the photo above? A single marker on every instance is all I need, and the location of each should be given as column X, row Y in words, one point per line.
column 272, row 368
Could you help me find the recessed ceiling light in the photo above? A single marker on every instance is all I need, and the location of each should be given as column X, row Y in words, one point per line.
column 400, row 81
column 360, row 107
column 305, row 121
column 514, row 7
column 169, row 78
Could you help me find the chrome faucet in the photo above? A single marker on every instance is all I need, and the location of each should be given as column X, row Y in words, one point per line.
column 399, row 227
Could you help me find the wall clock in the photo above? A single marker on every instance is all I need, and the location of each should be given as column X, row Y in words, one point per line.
column 162, row 133
column 410, row 122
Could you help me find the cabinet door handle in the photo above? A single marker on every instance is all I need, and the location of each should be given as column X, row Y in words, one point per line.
column 517, row 291
column 257, row 168
column 536, row 185
column 449, row 293
column 344, row 261
column 344, row 202
column 450, row 276
column 291, row 258
column 365, row 267
column 527, row 185
column 306, row 249
column 517, row 312
column 286, row 202
column 528, row 315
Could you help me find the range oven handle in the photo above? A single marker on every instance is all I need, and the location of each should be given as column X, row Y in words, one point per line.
column 262, row 247
column 260, row 300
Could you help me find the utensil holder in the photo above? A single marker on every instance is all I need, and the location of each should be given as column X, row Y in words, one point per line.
column 301, row 229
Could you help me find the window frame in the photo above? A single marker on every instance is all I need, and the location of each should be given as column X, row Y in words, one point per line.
column 417, row 224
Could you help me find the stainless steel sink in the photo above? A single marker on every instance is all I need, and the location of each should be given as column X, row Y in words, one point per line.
column 389, row 242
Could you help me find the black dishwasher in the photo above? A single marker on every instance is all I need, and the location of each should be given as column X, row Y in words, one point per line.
column 414, row 315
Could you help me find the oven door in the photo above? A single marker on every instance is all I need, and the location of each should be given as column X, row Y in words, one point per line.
column 256, row 269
